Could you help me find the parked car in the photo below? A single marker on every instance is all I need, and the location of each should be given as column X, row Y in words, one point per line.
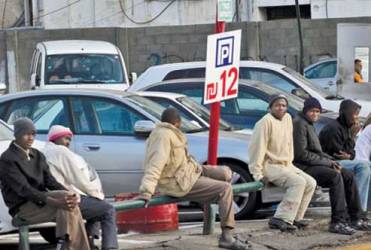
column 323, row 74
column 245, row 110
column 79, row 64
column 188, row 107
column 107, row 127
column 276, row 75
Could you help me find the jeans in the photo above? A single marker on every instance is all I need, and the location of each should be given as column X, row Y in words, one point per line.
column 99, row 211
column 362, row 171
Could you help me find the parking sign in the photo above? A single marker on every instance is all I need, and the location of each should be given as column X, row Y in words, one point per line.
column 222, row 66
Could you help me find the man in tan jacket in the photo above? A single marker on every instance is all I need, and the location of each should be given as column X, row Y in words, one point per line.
column 169, row 167
column 271, row 153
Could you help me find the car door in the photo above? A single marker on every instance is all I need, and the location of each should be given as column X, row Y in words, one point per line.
column 323, row 75
column 104, row 136
column 44, row 111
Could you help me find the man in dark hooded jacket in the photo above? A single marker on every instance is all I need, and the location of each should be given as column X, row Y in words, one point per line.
column 344, row 197
column 337, row 140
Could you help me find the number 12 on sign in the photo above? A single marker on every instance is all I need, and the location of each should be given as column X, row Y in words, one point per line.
column 222, row 66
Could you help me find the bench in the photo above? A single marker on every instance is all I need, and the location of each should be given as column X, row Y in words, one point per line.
column 23, row 227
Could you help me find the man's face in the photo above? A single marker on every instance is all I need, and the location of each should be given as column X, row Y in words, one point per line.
column 358, row 66
column 64, row 141
column 178, row 123
column 279, row 108
column 26, row 140
column 313, row 115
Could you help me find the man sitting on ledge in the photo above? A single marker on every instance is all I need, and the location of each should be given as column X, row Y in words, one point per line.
column 33, row 195
column 169, row 166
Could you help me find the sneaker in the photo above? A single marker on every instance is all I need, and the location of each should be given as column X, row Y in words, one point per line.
column 361, row 225
column 301, row 224
column 341, row 228
column 61, row 245
column 276, row 223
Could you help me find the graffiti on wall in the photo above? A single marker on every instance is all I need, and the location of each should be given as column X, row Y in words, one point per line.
column 157, row 58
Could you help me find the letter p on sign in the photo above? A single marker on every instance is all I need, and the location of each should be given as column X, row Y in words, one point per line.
column 222, row 66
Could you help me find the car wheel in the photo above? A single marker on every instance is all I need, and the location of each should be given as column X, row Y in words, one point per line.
column 48, row 233
column 244, row 204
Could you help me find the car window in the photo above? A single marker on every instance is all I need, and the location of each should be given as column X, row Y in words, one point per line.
column 185, row 73
column 166, row 103
column 101, row 116
column 323, row 70
column 43, row 112
column 269, row 77
column 249, row 102
column 6, row 134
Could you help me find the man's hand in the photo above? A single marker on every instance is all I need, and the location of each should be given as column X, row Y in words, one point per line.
column 145, row 198
column 64, row 200
column 264, row 180
column 336, row 166
column 343, row 155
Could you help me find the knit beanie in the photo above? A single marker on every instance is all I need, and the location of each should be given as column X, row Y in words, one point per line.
column 58, row 131
column 276, row 97
column 311, row 103
column 23, row 126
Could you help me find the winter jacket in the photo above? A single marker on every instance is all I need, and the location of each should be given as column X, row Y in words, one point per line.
column 72, row 171
column 24, row 179
column 271, row 144
column 337, row 136
column 307, row 148
column 168, row 164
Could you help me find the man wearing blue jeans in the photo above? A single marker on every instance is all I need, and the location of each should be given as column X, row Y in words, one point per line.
column 337, row 140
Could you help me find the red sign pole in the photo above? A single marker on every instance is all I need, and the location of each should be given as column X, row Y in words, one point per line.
column 214, row 116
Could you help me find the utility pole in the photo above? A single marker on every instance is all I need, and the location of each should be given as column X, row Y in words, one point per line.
column 27, row 13
column 301, row 47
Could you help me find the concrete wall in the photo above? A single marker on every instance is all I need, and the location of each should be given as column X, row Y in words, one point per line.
column 274, row 41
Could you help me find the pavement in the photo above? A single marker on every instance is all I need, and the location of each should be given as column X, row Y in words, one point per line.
column 189, row 236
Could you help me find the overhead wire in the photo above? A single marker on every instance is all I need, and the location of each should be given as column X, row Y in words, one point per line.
column 148, row 21
column 56, row 10
column 112, row 14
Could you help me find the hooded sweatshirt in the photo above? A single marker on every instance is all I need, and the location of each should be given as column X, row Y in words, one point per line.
column 337, row 136
column 271, row 144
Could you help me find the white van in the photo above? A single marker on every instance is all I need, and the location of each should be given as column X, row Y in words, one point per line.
column 79, row 64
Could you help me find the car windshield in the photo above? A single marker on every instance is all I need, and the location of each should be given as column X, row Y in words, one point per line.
column 156, row 110
column 202, row 112
column 324, row 93
column 6, row 133
column 83, row 68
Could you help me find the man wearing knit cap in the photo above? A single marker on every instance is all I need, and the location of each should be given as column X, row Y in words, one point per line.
column 32, row 193
column 344, row 197
column 73, row 172
column 271, row 154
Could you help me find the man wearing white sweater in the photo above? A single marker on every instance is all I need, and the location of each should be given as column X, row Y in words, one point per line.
column 72, row 171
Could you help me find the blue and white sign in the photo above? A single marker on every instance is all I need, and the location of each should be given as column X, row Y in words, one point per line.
column 222, row 66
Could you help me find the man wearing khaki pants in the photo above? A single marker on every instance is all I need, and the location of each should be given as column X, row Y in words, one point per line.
column 169, row 167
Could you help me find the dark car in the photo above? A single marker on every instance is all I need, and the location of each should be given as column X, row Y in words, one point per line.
column 245, row 110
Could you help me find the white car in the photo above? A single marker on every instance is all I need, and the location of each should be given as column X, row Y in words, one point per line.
column 78, row 64
column 276, row 75
column 323, row 74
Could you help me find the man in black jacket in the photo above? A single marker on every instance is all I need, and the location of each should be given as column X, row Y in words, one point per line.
column 337, row 140
column 327, row 172
column 33, row 195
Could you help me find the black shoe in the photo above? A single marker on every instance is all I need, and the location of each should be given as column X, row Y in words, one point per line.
column 341, row 228
column 276, row 223
column 301, row 224
column 361, row 225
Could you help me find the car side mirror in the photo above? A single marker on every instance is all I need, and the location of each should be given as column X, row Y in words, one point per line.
column 143, row 128
column 300, row 93
column 133, row 77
